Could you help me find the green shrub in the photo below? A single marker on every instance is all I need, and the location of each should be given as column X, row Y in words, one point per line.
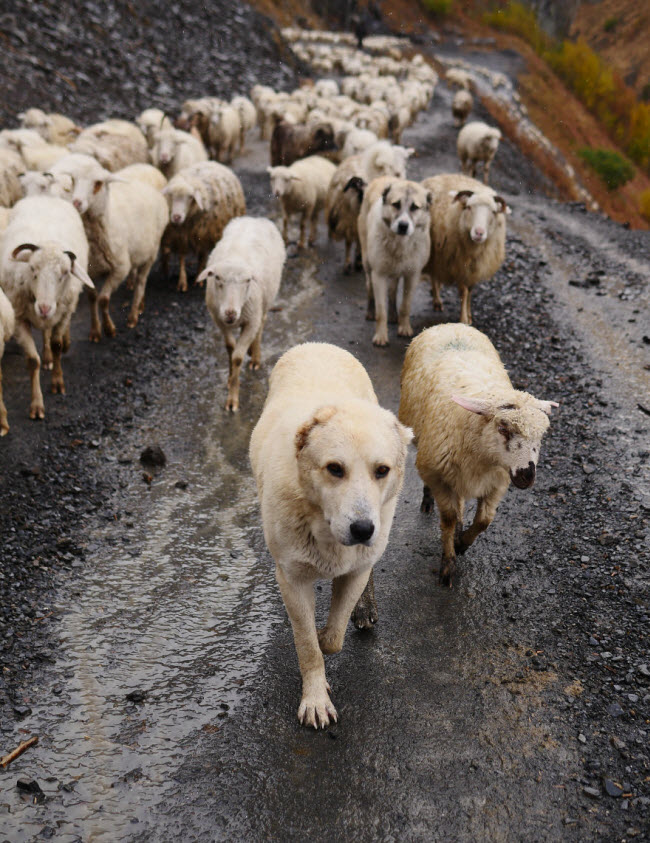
column 438, row 8
column 644, row 204
column 522, row 21
column 612, row 168
column 610, row 24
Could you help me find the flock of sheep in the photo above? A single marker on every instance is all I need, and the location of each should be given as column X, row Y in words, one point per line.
column 94, row 208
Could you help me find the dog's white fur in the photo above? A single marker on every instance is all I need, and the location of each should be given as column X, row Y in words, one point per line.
column 395, row 243
column 321, row 411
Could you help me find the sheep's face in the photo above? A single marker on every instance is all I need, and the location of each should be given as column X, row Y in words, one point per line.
column 180, row 197
column 405, row 207
column 281, row 180
column 513, row 435
column 482, row 213
column 49, row 271
column 166, row 146
column 85, row 191
column 229, row 286
column 34, row 183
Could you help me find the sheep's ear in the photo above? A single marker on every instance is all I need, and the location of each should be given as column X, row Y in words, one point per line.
column 82, row 275
column 201, row 279
column 269, row 170
column 474, row 405
column 410, row 151
column 199, row 199
column 115, row 178
column 24, row 252
column 502, row 206
column 321, row 416
column 461, row 196
column 384, row 195
column 546, row 406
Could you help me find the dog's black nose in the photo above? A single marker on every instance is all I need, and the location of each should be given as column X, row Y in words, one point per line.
column 402, row 227
column 362, row 530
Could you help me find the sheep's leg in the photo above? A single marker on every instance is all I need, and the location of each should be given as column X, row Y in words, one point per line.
column 58, row 342
column 427, row 500
column 95, row 328
column 346, row 592
column 285, row 226
column 364, row 614
column 255, row 350
column 4, row 424
column 130, row 280
column 137, row 304
column 230, row 341
column 485, row 511
column 65, row 339
column 465, row 317
column 370, row 311
column 469, row 305
column 313, row 227
column 404, row 328
column 243, row 343
column 451, row 508
column 392, row 300
column 303, row 226
column 316, row 708
column 26, row 341
column 46, row 355
column 347, row 266
column 435, row 291
column 380, row 290
column 164, row 260
column 181, row 286
column 486, row 170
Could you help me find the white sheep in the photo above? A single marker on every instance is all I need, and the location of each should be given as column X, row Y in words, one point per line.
column 7, row 323
column 345, row 191
column 11, row 165
column 477, row 143
column 302, row 189
column 54, row 128
column 225, row 132
column 357, row 141
column 124, row 222
column 202, row 201
column 150, row 121
column 146, row 173
column 458, row 78
column 461, row 106
column 243, row 275
column 468, row 236
column 42, row 158
column 474, row 432
column 247, row 117
column 114, row 143
column 43, row 264
column 173, row 150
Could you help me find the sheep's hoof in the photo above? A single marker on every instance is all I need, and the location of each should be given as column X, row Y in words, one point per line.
column 95, row 335
column 36, row 412
column 131, row 322
column 182, row 288
column 109, row 329
column 232, row 405
column 58, row 387
column 4, row 429
column 47, row 364
column 437, row 306
column 254, row 365
column 427, row 501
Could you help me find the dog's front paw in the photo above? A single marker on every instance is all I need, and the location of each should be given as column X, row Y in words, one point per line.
column 380, row 338
column 316, row 709
column 329, row 642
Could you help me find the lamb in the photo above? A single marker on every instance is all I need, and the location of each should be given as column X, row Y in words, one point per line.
column 247, row 117
column 468, row 231
column 124, row 222
column 345, row 192
column 395, row 242
column 114, row 143
column 477, row 142
column 150, row 121
column 43, row 264
column 290, row 143
column 202, row 201
column 461, row 106
column 243, row 276
column 7, row 324
column 173, row 150
column 459, row 78
column 195, row 115
column 302, row 188
column 225, row 132
column 474, row 432
column 54, row 128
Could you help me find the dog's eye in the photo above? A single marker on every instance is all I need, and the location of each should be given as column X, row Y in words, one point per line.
column 414, row 208
column 381, row 471
column 335, row 469
column 396, row 205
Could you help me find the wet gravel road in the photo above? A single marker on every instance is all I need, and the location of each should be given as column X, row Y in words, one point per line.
column 143, row 637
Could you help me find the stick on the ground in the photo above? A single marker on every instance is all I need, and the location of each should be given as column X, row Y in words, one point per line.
column 18, row 751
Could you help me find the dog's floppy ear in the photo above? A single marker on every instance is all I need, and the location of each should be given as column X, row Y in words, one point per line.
column 322, row 415
column 405, row 433
column 384, row 195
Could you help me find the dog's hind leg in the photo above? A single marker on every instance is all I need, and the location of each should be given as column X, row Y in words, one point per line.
column 346, row 591
column 315, row 708
column 364, row 614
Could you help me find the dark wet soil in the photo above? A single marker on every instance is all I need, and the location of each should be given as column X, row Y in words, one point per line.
column 513, row 707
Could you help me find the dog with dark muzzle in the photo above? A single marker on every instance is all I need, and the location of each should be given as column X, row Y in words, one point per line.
column 394, row 233
column 329, row 465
